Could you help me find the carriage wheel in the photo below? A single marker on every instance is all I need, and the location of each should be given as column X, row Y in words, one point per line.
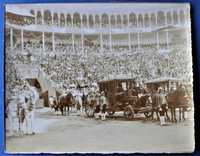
column 111, row 112
column 148, row 114
column 129, row 113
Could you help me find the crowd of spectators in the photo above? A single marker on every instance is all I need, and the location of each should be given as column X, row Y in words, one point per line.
column 85, row 67
column 19, row 20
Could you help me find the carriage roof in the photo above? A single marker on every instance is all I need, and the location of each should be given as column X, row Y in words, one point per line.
column 162, row 80
column 116, row 79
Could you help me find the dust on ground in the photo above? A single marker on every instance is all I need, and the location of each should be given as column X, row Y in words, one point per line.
column 58, row 134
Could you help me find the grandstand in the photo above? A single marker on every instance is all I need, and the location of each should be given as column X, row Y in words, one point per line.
column 86, row 43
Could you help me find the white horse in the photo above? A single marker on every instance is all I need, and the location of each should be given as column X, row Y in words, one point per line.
column 79, row 103
column 53, row 102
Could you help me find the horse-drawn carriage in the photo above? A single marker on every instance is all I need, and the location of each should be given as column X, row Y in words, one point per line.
column 122, row 95
column 176, row 92
column 165, row 83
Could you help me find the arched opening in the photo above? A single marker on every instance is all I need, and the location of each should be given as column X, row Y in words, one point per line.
column 33, row 13
column 132, row 20
column 140, row 20
column 47, row 17
column 146, row 20
column 175, row 17
column 112, row 20
column 182, row 17
column 153, row 19
column 39, row 17
column 84, row 20
column 55, row 19
column 69, row 20
column 97, row 21
column 169, row 18
column 91, row 21
column 119, row 21
column 76, row 20
column 125, row 20
column 105, row 20
column 161, row 18
column 62, row 20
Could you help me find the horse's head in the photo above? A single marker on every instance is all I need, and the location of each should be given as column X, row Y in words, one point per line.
column 51, row 101
column 144, row 99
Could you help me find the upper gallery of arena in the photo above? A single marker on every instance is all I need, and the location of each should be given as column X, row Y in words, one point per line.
column 97, row 17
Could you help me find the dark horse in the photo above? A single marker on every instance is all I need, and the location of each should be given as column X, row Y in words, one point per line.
column 84, row 100
column 144, row 101
column 65, row 101
column 178, row 99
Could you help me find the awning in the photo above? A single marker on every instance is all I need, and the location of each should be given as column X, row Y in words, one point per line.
column 168, row 27
column 14, row 9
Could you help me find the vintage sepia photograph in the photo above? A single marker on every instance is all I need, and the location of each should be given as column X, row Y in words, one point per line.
column 98, row 78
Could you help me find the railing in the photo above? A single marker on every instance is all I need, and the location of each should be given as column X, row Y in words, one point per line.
column 92, row 30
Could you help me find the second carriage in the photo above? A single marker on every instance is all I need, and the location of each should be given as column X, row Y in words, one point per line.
column 124, row 95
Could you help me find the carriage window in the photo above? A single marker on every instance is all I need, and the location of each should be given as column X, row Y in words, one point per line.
column 173, row 85
column 124, row 85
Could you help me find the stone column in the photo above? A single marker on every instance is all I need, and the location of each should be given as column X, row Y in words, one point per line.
column 178, row 14
column 73, row 42
column 157, row 33
column 59, row 20
column 101, row 35
column 35, row 17
column 65, row 20
column 52, row 21
column 138, row 34
column 129, row 34
column 110, row 33
column 185, row 16
column 82, row 35
column 167, row 31
column 121, row 21
column 43, row 42
column 172, row 16
column 72, row 34
column 143, row 24
column 88, row 25
column 184, row 22
column 53, row 42
column 42, row 13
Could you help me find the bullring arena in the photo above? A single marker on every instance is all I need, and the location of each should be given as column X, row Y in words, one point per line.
column 83, row 77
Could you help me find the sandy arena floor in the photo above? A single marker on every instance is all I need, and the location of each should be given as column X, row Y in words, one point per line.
column 74, row 133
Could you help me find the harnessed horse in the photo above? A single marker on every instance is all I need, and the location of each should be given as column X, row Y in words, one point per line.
column 178, row 99
column 157, row 106
column 66, row 101
column 53, row 103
